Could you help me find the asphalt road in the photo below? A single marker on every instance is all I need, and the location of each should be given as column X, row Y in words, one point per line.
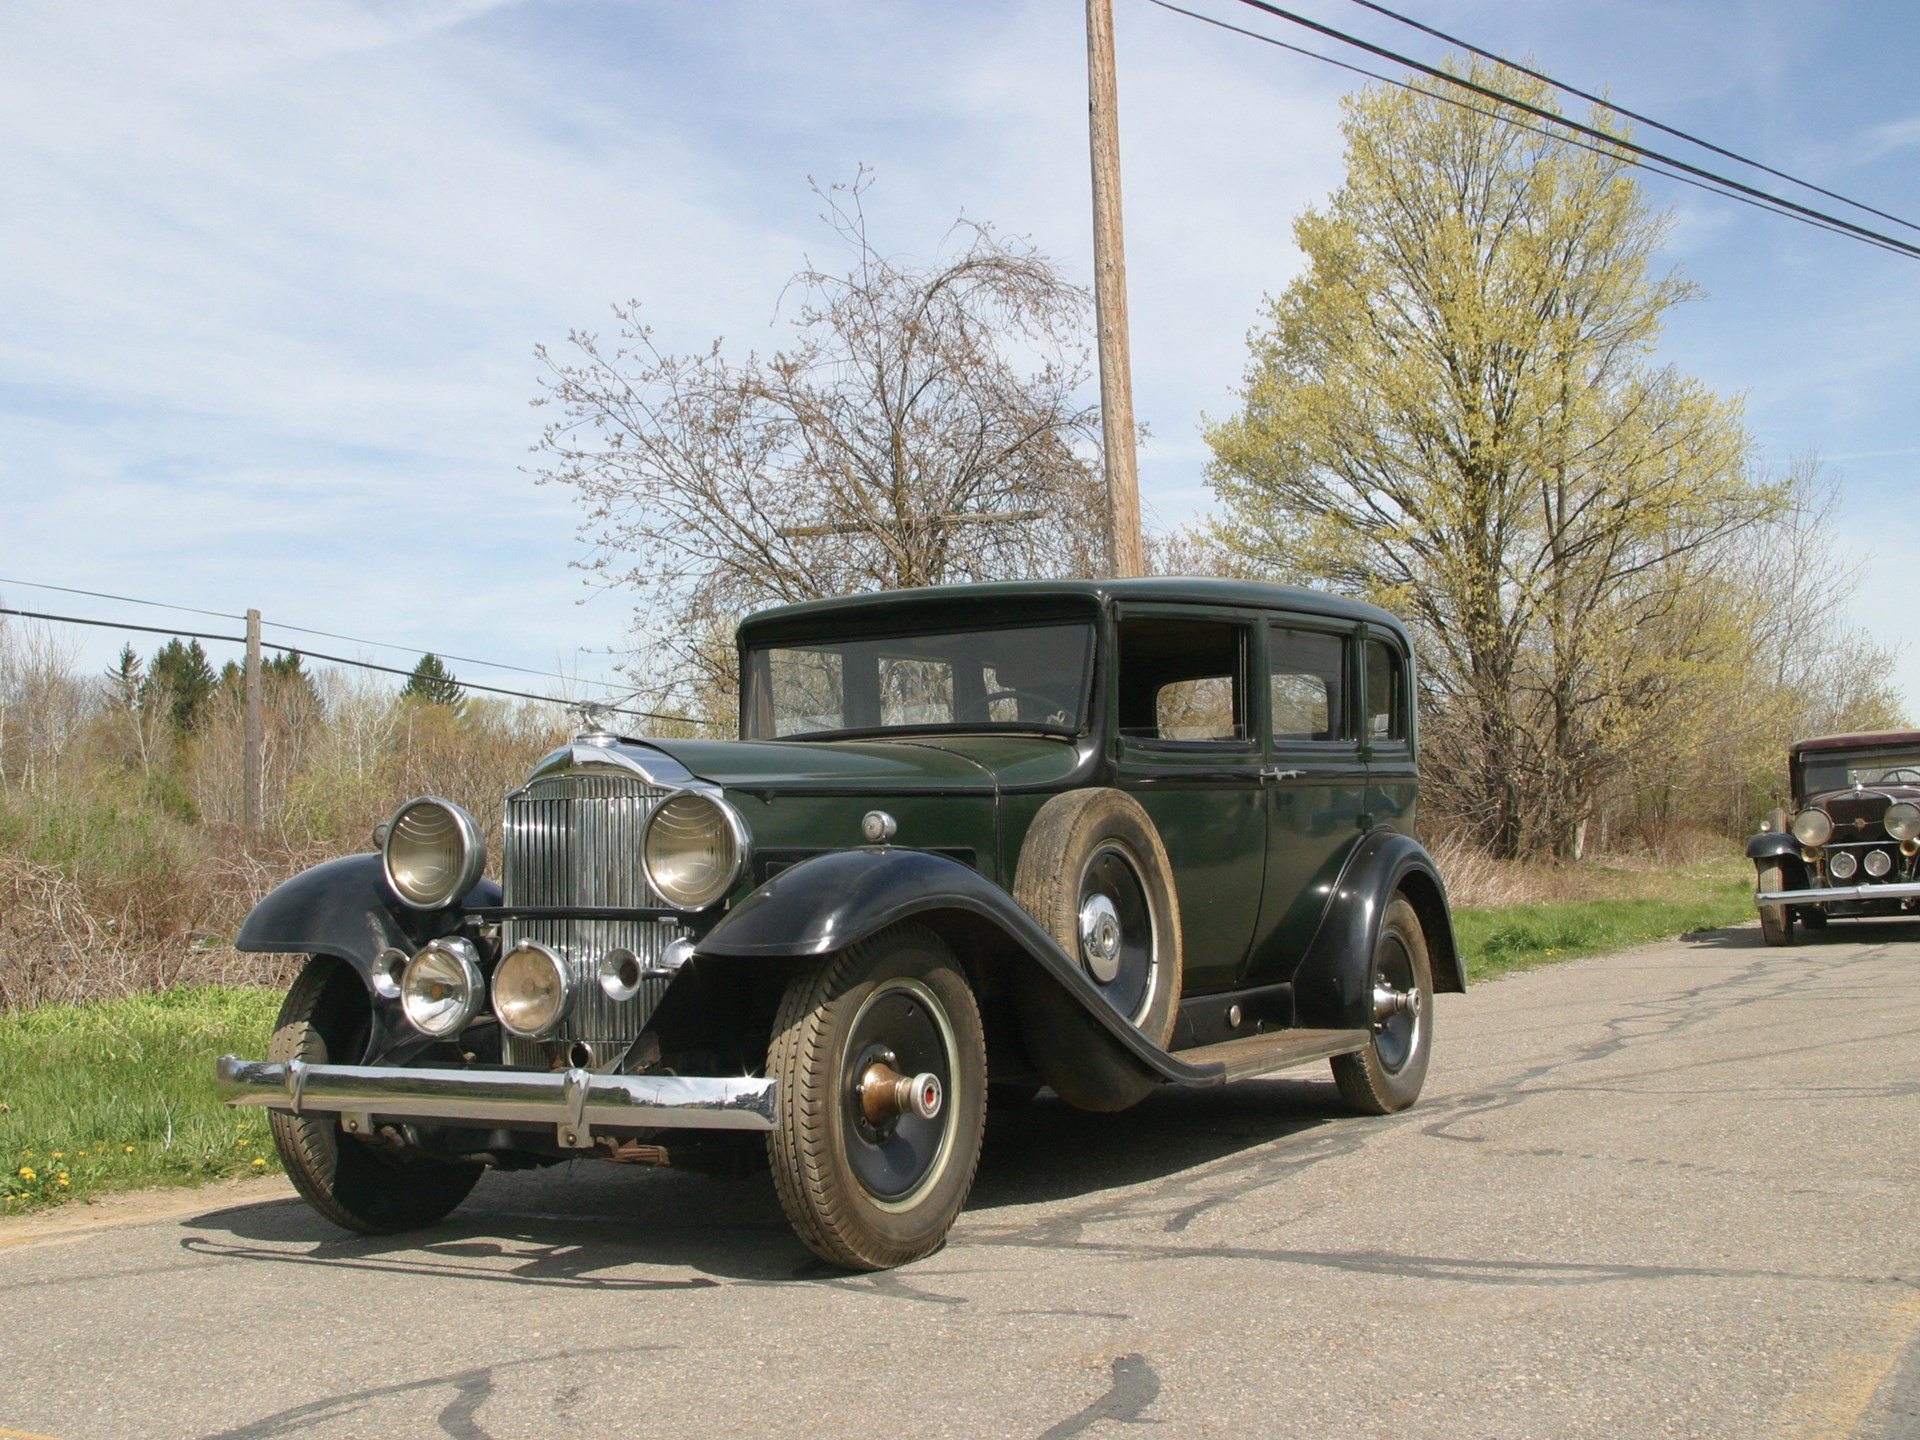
column 1671, row 1191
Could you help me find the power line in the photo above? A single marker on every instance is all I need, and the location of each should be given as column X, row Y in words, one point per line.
column 333, row 660
column 1620, row 109
column 128, row 599
column 1614, row 142
column 1610, row 151
column 327, row 634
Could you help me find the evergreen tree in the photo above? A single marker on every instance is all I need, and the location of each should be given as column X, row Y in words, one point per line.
column 432, row 683
column 181, row 681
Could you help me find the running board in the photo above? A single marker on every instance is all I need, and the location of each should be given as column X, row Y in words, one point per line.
column 1252, row 1055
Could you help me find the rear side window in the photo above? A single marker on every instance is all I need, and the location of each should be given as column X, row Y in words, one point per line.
column 1386, row 693
column 1307, row 672
column 1183, row 681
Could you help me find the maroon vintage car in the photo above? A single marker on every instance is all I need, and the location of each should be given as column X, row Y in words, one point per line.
column 1849, row 845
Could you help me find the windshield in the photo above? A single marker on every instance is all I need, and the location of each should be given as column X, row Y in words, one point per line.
column 1025, row 677
column 1845, row 769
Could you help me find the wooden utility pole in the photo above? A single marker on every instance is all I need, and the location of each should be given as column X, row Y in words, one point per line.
column 1110, row 296
column 250, row 766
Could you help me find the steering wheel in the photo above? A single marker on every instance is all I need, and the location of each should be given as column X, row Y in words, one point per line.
column 1900, row 775
column 977, row 709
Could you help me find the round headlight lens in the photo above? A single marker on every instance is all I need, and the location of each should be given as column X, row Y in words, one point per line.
column 1841, row 864
column 1903, row 820
column 530, row 989
column 441, row 987
column 1813, row 827
column 1877, row 864
column 693, row 848
column 433, row 853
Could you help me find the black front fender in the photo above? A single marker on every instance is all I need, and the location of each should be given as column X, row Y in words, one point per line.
column 1773, row 845
column 344, row 909
column 832, row 901
column 1333, row 986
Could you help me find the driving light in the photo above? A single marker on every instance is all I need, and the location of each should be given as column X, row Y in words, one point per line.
column 433, row 853
column 1878, row 863
column 441, row 987
column 1813, row 827
column 1841, row 865
column 693, row 849
column 530, row 990
column 1903, row 821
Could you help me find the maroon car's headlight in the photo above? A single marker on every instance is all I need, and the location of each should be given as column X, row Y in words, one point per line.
column 1813, row 827
column 1903, row 821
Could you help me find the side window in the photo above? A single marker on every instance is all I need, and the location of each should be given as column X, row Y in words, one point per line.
column 1307, row 670
column 1183, row 680
column 1386, row 693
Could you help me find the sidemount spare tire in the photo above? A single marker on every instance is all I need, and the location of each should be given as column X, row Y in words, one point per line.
column 1095, row 875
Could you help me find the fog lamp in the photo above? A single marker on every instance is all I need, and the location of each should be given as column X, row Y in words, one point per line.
column 1813, row 827
column 530, row 990
column 1841, row 864
column 441, row 988
column 1877, row 864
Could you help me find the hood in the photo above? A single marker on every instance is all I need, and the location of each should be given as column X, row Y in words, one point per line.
column 986, row 763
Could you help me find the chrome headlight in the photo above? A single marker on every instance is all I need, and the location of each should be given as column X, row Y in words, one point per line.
column 693, row 849
column 441, row 988
column 433, row 853
column 1903, row 820
column 530, row 990
column 1813, row 827
column 1841, row 864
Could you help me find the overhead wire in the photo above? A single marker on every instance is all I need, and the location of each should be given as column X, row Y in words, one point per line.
column 1553, row 116
column 1610, row 150
column 1634, row 115
column 340, row 660
column 326, row 634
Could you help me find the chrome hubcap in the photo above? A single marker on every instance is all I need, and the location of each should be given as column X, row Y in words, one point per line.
column 1100, row 938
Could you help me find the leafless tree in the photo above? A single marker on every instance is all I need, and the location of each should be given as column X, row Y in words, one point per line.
column 924, row 426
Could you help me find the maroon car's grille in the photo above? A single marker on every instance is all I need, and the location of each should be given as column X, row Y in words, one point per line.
column 1856, row 817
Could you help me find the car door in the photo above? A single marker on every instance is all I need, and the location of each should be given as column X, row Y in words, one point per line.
column 1188, row 751
column 1315, row 781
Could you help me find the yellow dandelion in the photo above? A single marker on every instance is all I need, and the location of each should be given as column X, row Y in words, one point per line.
column 63, row 1183
column 59, row 1154
column 128, row 1149
column 243, row 1143
column 26, row 1173
column 258, row 1163
column 83, row 1154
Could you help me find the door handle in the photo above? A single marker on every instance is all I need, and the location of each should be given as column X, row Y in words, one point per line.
column 1273, row 774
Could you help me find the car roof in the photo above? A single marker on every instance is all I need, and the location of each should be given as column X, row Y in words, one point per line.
column 1859, row 741
column 1001, row 600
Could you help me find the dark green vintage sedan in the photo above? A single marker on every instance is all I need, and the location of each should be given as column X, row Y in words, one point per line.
column 1097, row 836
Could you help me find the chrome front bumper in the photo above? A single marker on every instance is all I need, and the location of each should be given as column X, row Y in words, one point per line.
column 572, row 1101
column 1904, row 890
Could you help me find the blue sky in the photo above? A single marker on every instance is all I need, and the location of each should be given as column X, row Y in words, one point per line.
column 271, row 274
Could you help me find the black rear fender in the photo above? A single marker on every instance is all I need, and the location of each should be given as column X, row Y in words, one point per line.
column 1333, row 986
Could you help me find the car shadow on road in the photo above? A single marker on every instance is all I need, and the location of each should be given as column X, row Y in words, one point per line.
column 596, row 1226
column 1863, row 930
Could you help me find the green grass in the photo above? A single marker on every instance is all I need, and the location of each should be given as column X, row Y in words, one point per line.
column 1518, row 937
column 120, row 1094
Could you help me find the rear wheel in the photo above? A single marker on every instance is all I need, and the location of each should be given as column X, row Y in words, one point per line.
column 1388, row 1074
column 354, row 1183
column 1776, row 921
column 882, row 1065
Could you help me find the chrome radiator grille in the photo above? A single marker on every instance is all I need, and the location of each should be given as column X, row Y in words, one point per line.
column 574, row 840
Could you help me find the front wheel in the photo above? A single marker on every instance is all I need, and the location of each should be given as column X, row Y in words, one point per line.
column 882, row 1065
column 1388, row 1074
column 1776, row 921
column 354, row 1183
